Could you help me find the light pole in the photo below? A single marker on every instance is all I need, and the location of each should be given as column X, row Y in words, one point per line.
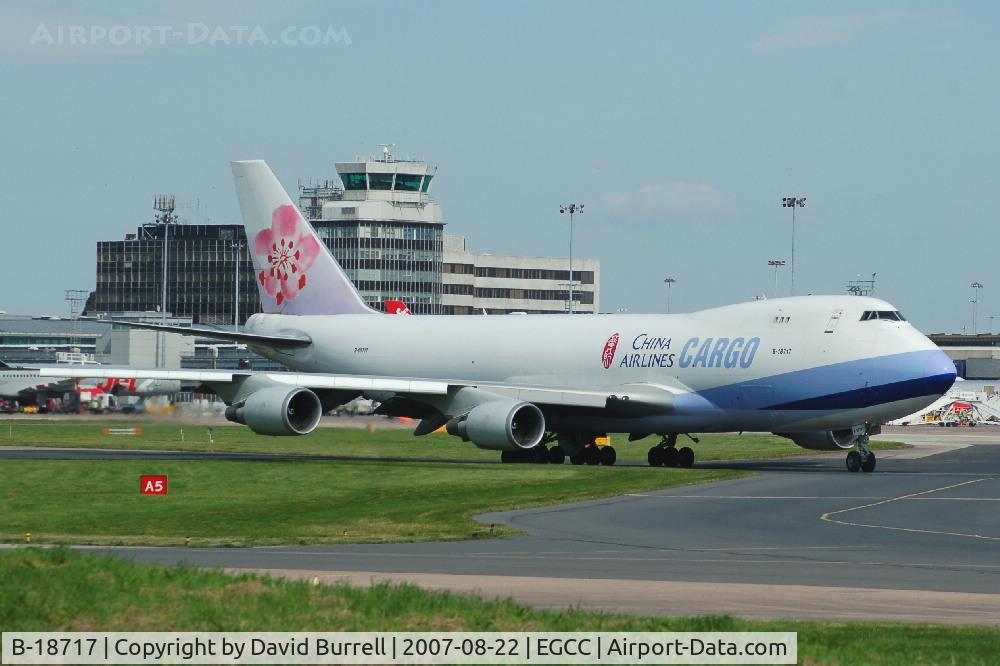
column 572, row 209
column 165, row 206
column 238, row 251
column 976, row 286
column 992, row 317
column 669, row 281
column 776, row 264
column 793, row 203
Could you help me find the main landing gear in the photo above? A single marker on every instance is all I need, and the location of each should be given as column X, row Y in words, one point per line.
column 593, row 454
column 584, row 454
column 537, row 455
column 863, row 459
column 666, row 453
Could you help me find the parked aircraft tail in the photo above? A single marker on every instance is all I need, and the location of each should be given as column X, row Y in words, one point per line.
column 393, row 306
column 296, row 274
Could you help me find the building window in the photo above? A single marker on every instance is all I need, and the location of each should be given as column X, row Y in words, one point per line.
column 354, row 181
column 380, row 181
column 407, row 182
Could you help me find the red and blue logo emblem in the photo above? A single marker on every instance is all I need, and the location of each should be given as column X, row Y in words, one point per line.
column 608, row 355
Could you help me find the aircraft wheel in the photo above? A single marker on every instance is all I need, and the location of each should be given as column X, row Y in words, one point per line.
column 869, row 464
column 557, row 455
column 578, row 458
column 608, row 455
column 655, row 457
column 853, row 461
column 538, row 455
column 592, row 455
column 507, row 457
column 670, row 457
column 685, row 457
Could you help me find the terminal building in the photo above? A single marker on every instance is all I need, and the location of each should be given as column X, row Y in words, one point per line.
column 25, row 340
column 388, row 234
column 201, row 270
column 975, row 356
column 379, row 221
column 475, row 283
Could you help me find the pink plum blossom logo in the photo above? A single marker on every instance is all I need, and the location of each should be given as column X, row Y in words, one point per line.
column 289, row 249
column 608, row 355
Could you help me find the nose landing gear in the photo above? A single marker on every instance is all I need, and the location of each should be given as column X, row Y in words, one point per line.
column 863, row 459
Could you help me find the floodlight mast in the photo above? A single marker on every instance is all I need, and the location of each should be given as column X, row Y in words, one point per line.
column 793, row 203
column 776, row 264
column 976, row 286
column 572, row 209
column 165, row 206
column 669, row 281
column 238, row 256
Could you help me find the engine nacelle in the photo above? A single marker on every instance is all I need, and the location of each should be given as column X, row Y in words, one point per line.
column 821, row 440
column 500, row 425
column 278, row 410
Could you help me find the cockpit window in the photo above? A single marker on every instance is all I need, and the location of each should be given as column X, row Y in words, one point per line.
column 884, row 315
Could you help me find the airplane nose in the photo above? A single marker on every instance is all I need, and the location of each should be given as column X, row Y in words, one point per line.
column 939, row 372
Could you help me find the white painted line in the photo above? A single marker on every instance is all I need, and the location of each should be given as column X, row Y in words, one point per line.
column 957, row 499
column 827, row 516
column 748, row 497
column 817, row 497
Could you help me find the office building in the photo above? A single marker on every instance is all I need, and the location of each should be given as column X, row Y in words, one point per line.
column 475, row 282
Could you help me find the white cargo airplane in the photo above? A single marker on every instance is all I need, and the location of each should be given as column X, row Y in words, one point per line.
column 824, row 371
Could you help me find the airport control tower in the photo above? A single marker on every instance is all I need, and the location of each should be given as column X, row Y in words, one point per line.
column 383, row 228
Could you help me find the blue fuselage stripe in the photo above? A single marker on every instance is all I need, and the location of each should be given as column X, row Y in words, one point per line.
column 875, row 395
column 848, row 385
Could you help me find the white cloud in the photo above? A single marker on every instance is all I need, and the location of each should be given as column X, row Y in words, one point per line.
column 667, row 196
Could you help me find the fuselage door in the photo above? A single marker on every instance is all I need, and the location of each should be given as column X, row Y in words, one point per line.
column 831, row 325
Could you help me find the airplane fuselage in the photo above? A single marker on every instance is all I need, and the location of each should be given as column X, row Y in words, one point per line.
column 804, row 363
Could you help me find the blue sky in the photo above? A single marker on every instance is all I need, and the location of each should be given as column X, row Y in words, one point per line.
column 679, row 125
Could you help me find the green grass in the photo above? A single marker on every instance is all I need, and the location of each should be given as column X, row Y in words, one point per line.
column 354, row 442
column 274, row 502
column 61, row 590
column 278, row 502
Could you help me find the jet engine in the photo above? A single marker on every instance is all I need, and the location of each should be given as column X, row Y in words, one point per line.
column 500, row 425
column 278, row 410
column 821, row 440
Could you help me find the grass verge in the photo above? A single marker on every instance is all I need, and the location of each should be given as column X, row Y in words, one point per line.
column 351, row 442
column 242, row 503
column 61, row 590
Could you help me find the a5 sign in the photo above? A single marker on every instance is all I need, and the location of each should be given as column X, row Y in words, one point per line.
column 153, row 485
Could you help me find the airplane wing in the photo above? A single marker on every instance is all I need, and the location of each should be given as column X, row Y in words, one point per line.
column 629, row 399
column 235, row 336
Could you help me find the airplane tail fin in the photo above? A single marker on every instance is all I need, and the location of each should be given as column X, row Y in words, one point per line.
column 296, row 274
